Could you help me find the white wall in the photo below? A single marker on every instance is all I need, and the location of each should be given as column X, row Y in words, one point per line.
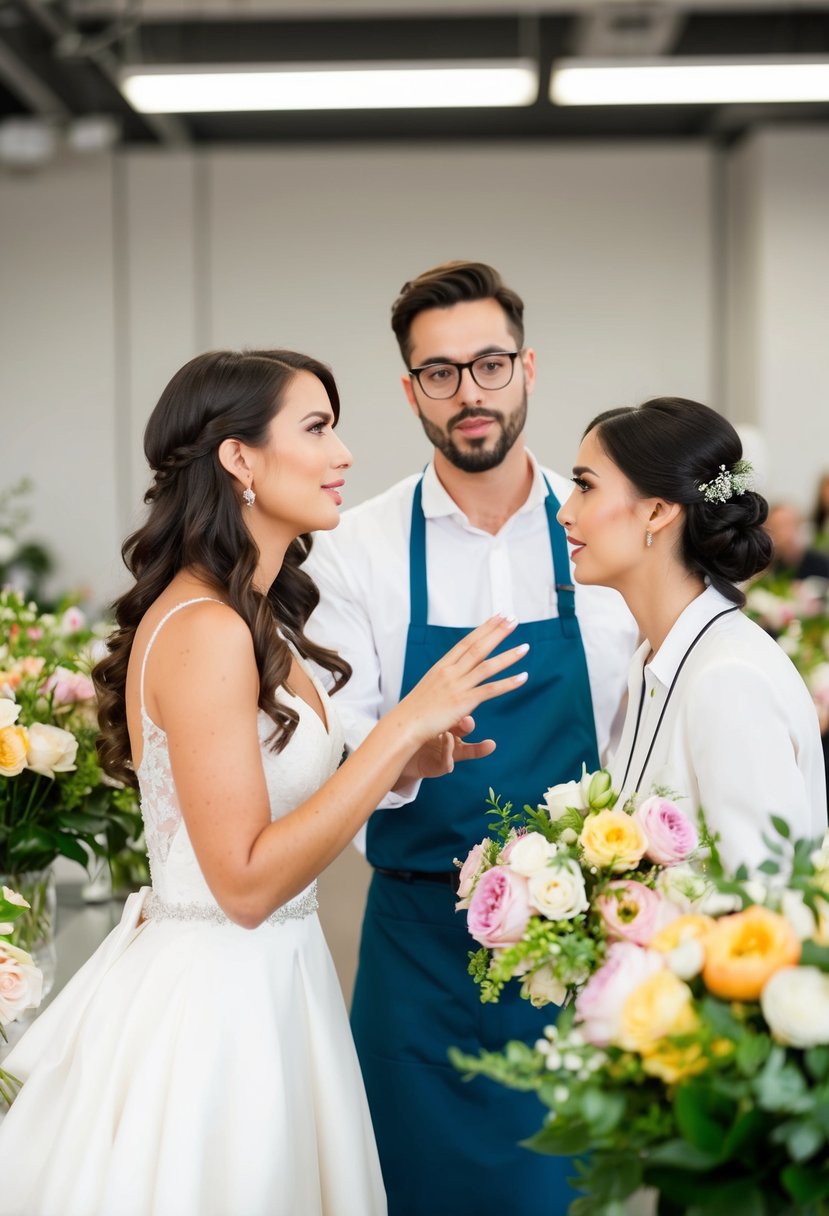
column 779, row 302
column 611, row 247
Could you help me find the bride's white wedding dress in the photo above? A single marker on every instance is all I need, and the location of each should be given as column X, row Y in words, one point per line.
column 192, row 1067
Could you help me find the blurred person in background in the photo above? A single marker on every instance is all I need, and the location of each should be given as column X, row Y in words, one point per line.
column 790, row 536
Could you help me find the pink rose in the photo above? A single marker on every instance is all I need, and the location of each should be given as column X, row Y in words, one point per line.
column 633, row 912
column 21, row 983
column 68, row 687
column 500, row 908
column 671, row 835
column 469, row 873
column 599, row 1004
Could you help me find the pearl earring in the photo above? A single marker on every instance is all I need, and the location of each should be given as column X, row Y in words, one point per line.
column 249, row 496
column 648, row 538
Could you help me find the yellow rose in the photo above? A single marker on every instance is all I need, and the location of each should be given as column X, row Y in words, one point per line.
column 660, row 1008
column 612, row 840
column 744, row 950
column 13, row 747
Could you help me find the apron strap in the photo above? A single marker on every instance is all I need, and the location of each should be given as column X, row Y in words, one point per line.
column 418, row 587
column 565, row 591
column 418, row 593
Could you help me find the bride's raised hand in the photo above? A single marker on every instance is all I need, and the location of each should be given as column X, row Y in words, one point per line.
column 456, row 685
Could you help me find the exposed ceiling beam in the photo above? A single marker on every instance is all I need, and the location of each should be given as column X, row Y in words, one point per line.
column 168, row 130
column 29, row 88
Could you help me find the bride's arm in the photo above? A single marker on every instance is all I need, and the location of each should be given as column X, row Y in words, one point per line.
column 205, row 689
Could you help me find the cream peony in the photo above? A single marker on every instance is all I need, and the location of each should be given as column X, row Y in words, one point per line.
column 542, row 988
column 21, row 983
column 51, row 750
column 558, row 891
column 530, row 854
column 795, row 1003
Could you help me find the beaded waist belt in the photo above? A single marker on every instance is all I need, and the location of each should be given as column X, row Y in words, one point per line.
column 295, row 909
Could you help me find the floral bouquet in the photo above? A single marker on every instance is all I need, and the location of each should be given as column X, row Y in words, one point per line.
column 545, row 896
column 21, row 982
column 694, row 1057
column 54, row 798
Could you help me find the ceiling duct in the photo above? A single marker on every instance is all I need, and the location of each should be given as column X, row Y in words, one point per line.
column 619, row 31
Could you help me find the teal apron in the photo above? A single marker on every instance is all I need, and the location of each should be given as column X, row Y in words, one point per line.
column 449, row 1147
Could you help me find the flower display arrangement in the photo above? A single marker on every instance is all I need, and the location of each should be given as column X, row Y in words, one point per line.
column 54, row 798
column 693, row 1054
column 796, row 613
column 21, row 982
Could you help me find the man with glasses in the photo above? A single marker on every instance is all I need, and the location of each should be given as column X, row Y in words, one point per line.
column 405, row 576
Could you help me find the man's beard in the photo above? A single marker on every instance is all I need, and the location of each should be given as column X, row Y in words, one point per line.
column 477, row 458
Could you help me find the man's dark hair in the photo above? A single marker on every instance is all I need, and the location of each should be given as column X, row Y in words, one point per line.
column 454, row 283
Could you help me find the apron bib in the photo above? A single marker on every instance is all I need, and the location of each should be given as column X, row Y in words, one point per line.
column 448, row 1147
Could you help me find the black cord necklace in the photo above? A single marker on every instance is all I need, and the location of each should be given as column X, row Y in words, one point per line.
column 704, row 629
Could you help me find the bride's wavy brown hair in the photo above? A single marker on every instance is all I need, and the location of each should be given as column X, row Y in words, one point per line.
column 195, row 519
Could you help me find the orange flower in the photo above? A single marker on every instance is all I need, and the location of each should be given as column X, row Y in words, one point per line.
column 12, row 678
column 745, row 949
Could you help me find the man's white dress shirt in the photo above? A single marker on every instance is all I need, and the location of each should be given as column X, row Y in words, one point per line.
column 740, row 736
column 362, row 571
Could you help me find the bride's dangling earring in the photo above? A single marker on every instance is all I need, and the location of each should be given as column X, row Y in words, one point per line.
column 648, row 539
column 249, row 496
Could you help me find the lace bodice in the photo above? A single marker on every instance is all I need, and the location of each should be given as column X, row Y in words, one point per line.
column 291, row 776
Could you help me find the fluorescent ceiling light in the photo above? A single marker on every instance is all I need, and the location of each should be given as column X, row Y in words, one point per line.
column 582, row 82
column 187, row 89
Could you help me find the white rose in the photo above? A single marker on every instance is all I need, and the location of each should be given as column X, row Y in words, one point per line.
column 716, row 903
column 683, row 886
column 563, row 797
column 51, row 750
column 558, row 892
column 8, row 712
column 530, row 854
column 798, row 914
column 686, row 960
column 543, row 988
column 21, row 983
column 795, row 1003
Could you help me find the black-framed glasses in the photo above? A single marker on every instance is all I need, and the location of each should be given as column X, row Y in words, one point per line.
column 442, row 380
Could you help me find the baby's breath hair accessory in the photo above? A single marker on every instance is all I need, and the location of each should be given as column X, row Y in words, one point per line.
column 728, row 483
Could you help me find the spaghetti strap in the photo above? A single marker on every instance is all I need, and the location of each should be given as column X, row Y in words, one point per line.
column 202, row 599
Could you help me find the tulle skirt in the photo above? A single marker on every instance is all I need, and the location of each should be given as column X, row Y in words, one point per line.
column 192, row 1069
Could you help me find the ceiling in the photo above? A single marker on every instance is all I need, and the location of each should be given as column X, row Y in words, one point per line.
column 60, row 59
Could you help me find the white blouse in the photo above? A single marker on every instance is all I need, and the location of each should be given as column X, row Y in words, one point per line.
column 740, row 737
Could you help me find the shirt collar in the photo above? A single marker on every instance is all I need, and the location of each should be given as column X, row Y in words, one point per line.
column 666, row 661
column 438, row 502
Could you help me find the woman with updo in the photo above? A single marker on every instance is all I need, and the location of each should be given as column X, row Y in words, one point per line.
column 717, row 715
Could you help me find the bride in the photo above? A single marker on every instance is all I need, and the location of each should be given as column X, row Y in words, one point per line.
column 663, row 511
column 201, row 1064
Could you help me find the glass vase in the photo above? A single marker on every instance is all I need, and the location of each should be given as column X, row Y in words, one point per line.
column 34, row 931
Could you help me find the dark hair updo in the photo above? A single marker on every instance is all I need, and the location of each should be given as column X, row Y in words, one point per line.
column 667, row 448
